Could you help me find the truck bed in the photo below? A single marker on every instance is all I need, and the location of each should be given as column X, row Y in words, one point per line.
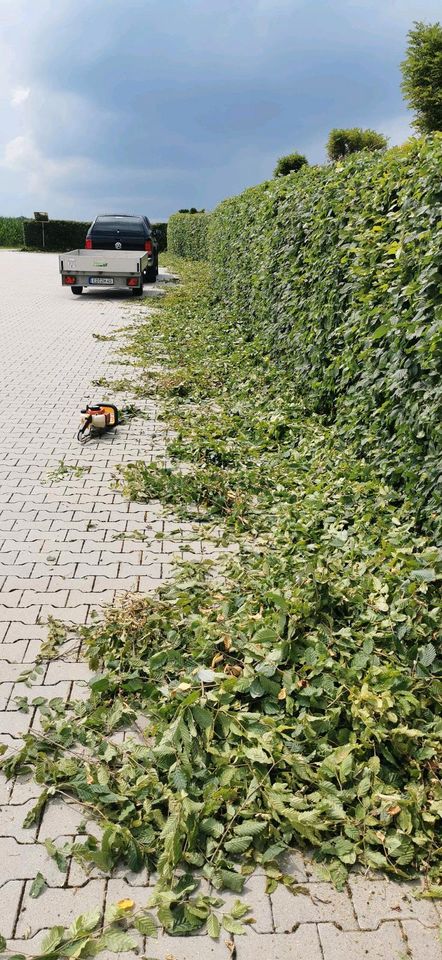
column 103, row 262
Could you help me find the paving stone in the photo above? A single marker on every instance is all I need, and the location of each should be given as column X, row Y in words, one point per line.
column 258, row 900
column 12, row 671
column 5, row 789
column 25, row 788
column 140, row 879
column 10, row 898
column 80, row 691
column 58, row 598
column 25, row 631
column 295, row 865
column 21, row 615
column 13, row 652
column 11, row 822
column 5, row 693
column 10, row 744
column 24, row 861
column 386, row 943
column 378, row 900
column 38, row 690
column 61, row 818
column 14, row 722
column 119, row 889
column 11, row 584
column 322, row 903
column 301, row 945
column 32, row 651
column 59, row 670
column 29, row 946
column 58, row 907
column 423, row 944
column 190, row 948
column 77, row 614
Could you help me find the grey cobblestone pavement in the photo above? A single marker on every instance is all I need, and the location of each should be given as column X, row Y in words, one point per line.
column 59, row 557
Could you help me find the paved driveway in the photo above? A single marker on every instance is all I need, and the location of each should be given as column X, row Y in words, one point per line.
column 59, row 557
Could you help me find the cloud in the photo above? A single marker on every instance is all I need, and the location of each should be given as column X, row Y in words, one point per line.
column 39, row 172
column 20, row 95
column 137, row 106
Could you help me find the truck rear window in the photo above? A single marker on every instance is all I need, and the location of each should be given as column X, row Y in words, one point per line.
column 127, row 225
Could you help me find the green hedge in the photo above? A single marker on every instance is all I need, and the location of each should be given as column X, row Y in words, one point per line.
column 11, row 231
column 160, row 231
column 339, row 269
column 58, row 235
column 187, row 235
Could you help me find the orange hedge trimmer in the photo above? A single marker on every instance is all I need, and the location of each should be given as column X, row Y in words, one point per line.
column 97, row 418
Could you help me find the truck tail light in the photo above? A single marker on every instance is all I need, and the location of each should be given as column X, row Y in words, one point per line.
column 70, row 280
column 88, row 244
column 133, row 282
column 148, row 246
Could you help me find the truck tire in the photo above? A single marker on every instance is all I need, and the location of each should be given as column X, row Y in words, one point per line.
column 150, row 275
column 77, row 290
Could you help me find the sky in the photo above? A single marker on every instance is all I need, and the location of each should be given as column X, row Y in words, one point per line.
column 146, row 106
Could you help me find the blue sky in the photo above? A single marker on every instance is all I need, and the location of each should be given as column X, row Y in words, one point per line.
column 148, row 106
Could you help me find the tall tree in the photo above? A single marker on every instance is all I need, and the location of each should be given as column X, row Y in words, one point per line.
column 422, row 75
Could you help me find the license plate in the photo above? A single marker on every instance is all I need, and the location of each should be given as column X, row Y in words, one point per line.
column 101, row 281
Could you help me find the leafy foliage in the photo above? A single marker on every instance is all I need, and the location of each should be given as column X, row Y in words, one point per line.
column 58, row 235
column 187, row 235
column 341, row 142
column 38, row 886
column 340, row 278
column 286, row 696
column 11, row 231
column 290, row 164
column 422, row 75
column 86, row 937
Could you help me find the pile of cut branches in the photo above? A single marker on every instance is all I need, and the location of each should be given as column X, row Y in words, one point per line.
column 286, row 695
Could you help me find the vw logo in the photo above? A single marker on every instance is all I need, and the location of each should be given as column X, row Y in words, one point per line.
column 118, row 245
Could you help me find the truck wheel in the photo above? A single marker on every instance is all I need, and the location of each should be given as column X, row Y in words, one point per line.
column 150, row 275
column 77, row 290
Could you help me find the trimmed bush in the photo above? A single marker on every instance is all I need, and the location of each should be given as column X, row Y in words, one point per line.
column 11, row 231
column 341, row 143
column 56, row 235
column 160, row 231
column 339, row 270
column 187, row 235
column 289, row 164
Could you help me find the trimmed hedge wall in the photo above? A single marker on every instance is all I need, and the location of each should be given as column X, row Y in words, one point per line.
column 56, row 235
column 11, row 231
column 187, row 235
column 338, row 269
column 160, row 231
